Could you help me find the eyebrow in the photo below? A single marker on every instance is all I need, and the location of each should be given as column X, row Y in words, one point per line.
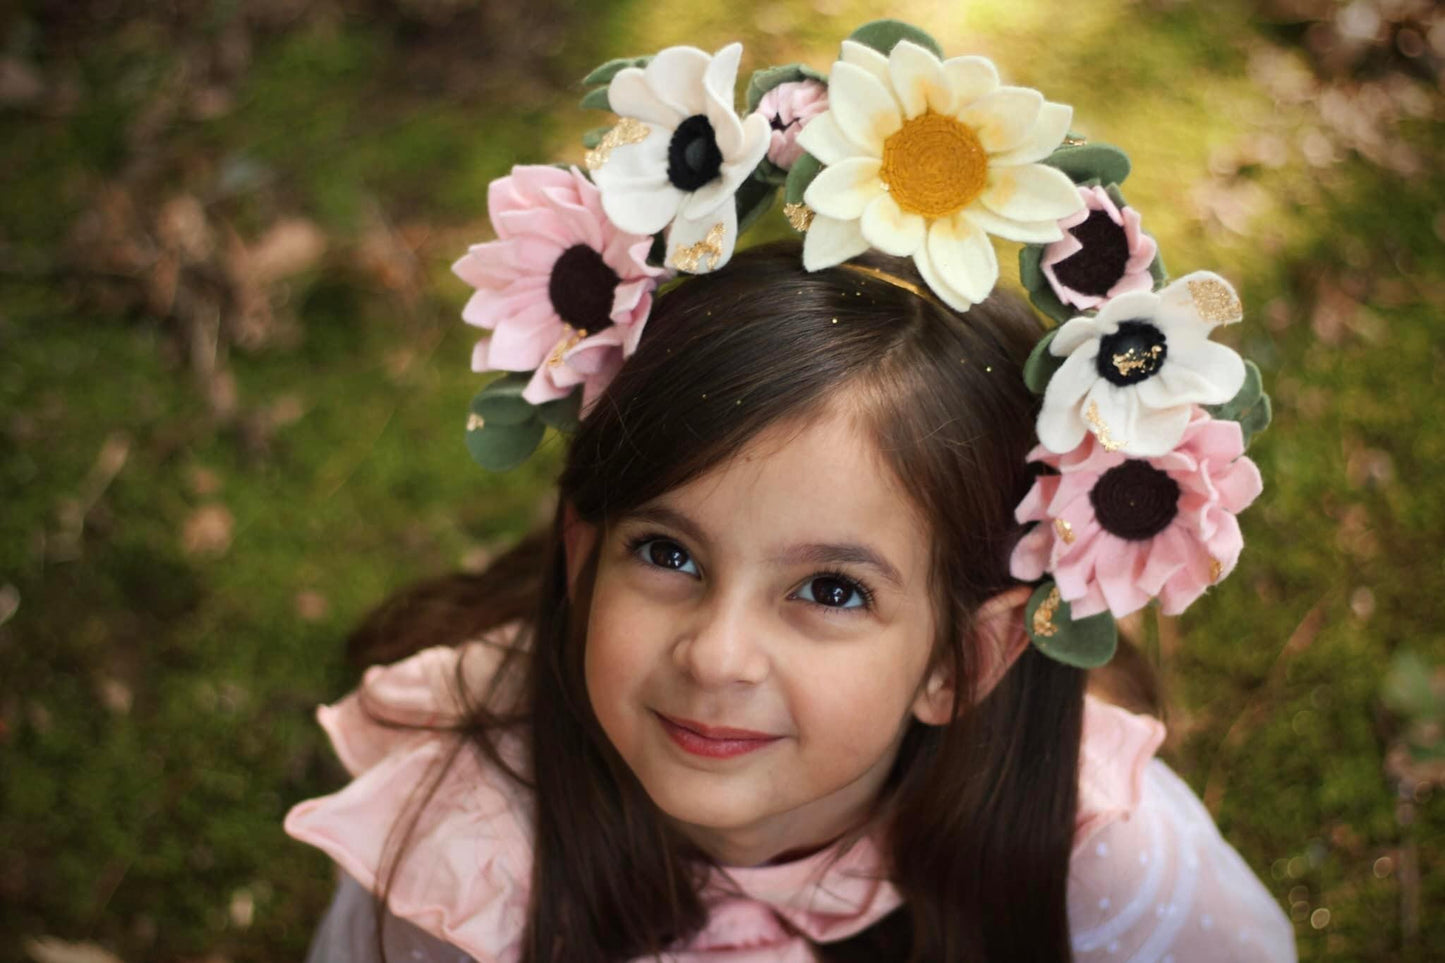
column 813, row 553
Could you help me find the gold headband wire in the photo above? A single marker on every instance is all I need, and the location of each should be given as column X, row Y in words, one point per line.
column 894, row 280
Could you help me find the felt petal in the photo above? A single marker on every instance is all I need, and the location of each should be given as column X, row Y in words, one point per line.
column 676, row 77
column 1031, row 554
column 636, row 167
column 629, row 95
column 544, row 388
column 1025, row 232
column 962, row 254
column 862, row 55
column 642, row 212
column 825, row 140
column 937, row 282
column 1203, row 297
column 831, row 241
column 1060, row 427
column 1207, row 374
column 844, row 189
column 891, row 229
column 863, row 107
column 1169, row 552
column 970, row 78
column 1047, row 133
column 1115, row 573
column 1076, row 332
column 721, row 101
column 484, row 265
column 1031, row 192
column 523, row 344
column 1134, row 428
column 697, row 247
column 1239, row 485
column 1127, row 307
column 918, row 80
column 1004, row 118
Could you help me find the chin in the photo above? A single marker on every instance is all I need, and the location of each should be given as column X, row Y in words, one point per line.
column 708, row 806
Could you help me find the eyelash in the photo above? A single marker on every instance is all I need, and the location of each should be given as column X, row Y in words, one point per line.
column 865, row 594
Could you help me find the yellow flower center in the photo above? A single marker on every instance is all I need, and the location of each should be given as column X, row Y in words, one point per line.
column 934, row 165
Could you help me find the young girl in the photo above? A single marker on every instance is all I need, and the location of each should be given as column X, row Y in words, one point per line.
column 765, row 691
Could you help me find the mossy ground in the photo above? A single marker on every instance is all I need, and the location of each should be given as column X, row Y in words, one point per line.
column 156, row 684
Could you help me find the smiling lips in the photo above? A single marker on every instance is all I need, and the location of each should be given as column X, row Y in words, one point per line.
column 717, row 742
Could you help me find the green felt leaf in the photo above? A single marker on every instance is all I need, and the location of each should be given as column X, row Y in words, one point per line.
column 1041, row 364
column 1250, row 406
column 1107, row 163
column 594, row 136
column 754, row 196
column 1157, row 271
column 766, row 79
column 883, row 36
column 1083, row 643
column 501, row 401
column 1041, row 293
column 504, row 447
column 804, row 169
column 596, row 100
column 605, row 73
column 562, row 414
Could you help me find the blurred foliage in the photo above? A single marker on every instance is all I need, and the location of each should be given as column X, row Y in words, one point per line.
column 230, row 354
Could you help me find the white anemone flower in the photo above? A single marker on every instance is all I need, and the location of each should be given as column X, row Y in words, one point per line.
column 1134, row 372
column 679, row 154
column 925, row 159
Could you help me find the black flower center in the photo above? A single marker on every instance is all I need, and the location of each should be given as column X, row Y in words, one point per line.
column 1135, row 500
column 581, row 288
column 1100, row 264
column 776, row 122
column 1132, row 354
column 693, row 158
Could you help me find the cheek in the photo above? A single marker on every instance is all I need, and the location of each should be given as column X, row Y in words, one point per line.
column 617, row 657
column 849, row 714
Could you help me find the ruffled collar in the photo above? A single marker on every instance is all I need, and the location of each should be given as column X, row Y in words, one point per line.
column 467, row 875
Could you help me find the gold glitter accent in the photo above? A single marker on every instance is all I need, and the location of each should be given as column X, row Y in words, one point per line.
column 1101, row 430
column 573, row 338
column 1216, row 569
column 1064, row 530
column 709, row 249
column 1044, row 626
column 1072, row 141
column 934, row 165
column 1215, row 302
column 1136, row 360
column 629, row 130
column 475, row 422
column 799, row 215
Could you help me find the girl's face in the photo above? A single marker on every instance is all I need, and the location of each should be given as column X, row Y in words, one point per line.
column 758, row 640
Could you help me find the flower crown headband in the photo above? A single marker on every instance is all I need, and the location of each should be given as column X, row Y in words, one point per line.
column 1144, row 420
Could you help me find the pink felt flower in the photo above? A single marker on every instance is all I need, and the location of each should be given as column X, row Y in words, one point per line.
column 788, row 108
column 1116, row 531
column 1102, row 255
column 563, row 291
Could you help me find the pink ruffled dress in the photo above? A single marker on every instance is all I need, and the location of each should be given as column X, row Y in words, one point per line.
column 1150, row 880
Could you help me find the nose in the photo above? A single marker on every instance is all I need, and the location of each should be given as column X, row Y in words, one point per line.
column 721, row 645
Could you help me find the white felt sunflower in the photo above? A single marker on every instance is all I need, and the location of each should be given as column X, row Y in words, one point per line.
column 677, row 157
column 926, row 158
column 1133, row 373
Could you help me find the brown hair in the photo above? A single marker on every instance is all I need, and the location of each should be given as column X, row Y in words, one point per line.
column 979, row 814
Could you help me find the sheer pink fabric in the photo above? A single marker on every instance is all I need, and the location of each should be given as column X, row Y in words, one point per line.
column 1151, row 879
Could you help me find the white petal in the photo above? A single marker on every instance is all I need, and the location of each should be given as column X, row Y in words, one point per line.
column 844, row 189
column 1206, row 374
column 757, row 138
column 630, row 96
column 1135, row 428
column 918, row 80
column 1069, row 384
column 962, row 254
column 1075, row 333
column 825, row 140
column 1131, row 306
column 863, row 107
column 1042, row 139
column 633, row 167
column 937, row 283
column 1201, row 297
column 1003, row 118
column 721, row 99
column 1032, row 192
column 830, row 241
column 722, row 188
column 710, row 248
column 862, row 55
column 970, row 78
column 642, row 212
column 1026, row 232
column 676, row 78
column 891, row 229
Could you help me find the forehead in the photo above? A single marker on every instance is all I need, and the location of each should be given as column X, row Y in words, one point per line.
column 820, row 479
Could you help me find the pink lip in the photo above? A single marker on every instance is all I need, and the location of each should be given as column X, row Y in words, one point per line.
column 717, row 742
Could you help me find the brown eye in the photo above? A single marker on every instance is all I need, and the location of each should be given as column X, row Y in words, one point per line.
column 833, row 592
column 667, row 554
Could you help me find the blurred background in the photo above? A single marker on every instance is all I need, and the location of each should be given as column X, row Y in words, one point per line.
column 233, row 382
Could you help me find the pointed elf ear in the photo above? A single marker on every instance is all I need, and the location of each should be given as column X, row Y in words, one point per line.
column 578, row 539
column 1000, row 638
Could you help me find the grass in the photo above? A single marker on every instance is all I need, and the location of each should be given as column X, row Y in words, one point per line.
column 155, row 699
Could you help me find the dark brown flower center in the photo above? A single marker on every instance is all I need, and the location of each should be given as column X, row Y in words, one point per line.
column 581, row 289
column 693, row 157
column 1135, row 500
column 1133, row 353
column 1096, row 268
